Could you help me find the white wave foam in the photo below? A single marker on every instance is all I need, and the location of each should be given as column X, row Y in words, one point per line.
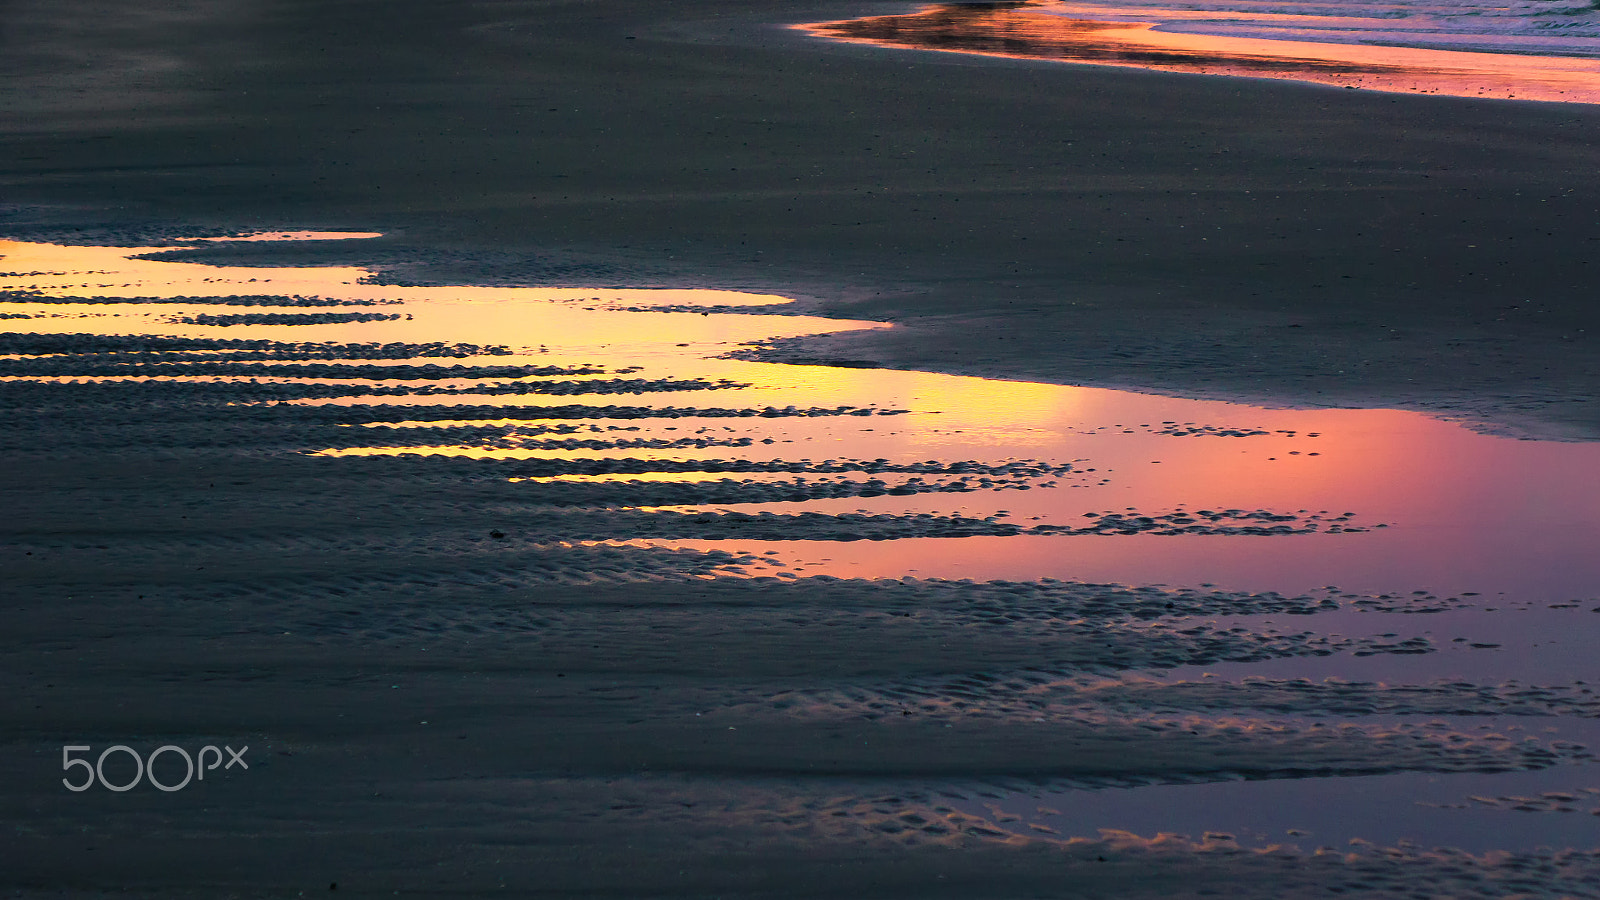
column 1542, row 27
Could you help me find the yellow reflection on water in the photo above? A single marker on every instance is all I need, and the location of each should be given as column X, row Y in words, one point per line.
column 548, row 319
column 1080, row 33
column 610, row 387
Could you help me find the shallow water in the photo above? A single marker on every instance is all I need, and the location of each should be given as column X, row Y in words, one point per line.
column 1531, row 51
column 1542, row 27
column 1376, row 500
column 806, row 471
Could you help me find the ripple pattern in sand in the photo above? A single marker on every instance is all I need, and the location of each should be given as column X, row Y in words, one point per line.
column 455, row 484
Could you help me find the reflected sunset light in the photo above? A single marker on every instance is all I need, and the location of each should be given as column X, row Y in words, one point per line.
column 1352, row 51
column 656, row 400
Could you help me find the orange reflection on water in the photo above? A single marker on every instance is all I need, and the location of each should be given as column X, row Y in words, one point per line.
column 1465, row 511
column 1071, row 33
column 602, row 387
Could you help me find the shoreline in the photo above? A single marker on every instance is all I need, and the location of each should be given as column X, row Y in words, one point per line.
column 1021, row 30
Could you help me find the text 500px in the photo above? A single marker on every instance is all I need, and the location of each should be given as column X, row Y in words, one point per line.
column 194, row 767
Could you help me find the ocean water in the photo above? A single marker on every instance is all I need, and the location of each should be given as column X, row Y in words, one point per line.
column 1542, row 27
column 1546, row 50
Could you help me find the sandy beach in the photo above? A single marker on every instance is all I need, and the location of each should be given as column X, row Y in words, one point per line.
column 696, row 458
column 1432, row 250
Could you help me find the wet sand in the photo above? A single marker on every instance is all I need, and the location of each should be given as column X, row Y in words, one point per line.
column 1188, row 234
column 544, row 588
column 281, row 517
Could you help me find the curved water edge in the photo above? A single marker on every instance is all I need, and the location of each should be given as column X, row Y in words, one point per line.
column 1542, row 51
column 1289, row 597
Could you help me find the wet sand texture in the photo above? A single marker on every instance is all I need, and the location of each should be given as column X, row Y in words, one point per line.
column 1190, row 234
column 454, row 675
column 439, row 702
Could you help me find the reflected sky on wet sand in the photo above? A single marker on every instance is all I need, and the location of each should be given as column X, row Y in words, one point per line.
column 1046, row 480
column 651, row 410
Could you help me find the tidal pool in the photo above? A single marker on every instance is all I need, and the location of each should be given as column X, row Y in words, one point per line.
column 645, row 386
column 1431, row 554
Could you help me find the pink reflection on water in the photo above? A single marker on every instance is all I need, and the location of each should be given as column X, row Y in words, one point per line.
column 1433, row 505
column 1171, row 40
column 1465, row 511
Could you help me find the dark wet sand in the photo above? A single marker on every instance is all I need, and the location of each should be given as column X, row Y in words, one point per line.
column 1187, row 234
column 432, row 713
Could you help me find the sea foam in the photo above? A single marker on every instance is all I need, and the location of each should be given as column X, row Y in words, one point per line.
column 1539, row 27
